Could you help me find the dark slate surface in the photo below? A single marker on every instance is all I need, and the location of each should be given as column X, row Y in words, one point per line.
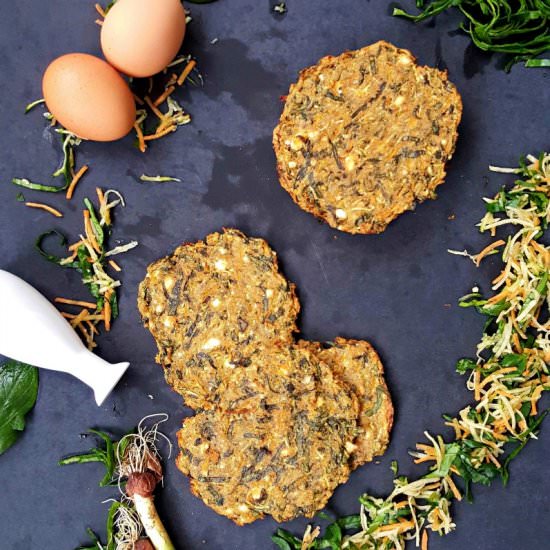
column 390, row 289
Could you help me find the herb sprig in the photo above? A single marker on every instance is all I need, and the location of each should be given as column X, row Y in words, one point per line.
column 508, row 377
column 521, row 30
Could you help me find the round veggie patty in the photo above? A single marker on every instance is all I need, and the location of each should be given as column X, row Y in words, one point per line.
column 365, row 136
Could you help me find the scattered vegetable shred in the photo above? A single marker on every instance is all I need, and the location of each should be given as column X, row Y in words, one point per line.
column 508, row 377
column 90, row 256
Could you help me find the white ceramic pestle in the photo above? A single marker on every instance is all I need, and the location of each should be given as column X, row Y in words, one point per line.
column 33, row 331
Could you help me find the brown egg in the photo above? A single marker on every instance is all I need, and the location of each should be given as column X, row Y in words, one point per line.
column 88, row 97
column 141, row 37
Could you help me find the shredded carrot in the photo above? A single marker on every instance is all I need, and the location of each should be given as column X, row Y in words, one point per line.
column 517, row 343
column 185, row 73
column 75, row 303
column 100, row 10
column 495, row 375
column 80, row 317
column 99, row 22
column 453, row 487
column 68, row 315
column 399, row 526
column 45, row 207
column 75, row 180
column 141, row 140
column 160, row 134
column 100, row 196
column 491, row 457
column 153, row 108
column 92, row 327
column 114, row 265
column 164, row 96
column 401, row 504
column 422, row 459
column 534, row 398
column 498, row 297
column 486, row 250
column 107, row 310
column 90, row 233
column 477, row 393
column 89, row 338
column 138, row 100
column 424, row 540
column 76, row 245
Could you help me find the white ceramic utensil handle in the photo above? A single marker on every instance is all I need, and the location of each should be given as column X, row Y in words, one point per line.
column 33, row 331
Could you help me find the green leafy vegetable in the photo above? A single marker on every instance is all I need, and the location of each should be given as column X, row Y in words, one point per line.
column 521, row 30
column 18, row 391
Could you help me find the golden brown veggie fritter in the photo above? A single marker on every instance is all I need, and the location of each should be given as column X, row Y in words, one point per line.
column 365, row 136
column 210, row 305
column 280, row 423
column 282, row 451
column 358, row 365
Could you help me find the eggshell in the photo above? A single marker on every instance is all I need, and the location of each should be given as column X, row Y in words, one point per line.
column 88, row 97
column 141, row 37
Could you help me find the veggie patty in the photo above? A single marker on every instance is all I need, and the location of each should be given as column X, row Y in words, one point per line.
column 365, row 136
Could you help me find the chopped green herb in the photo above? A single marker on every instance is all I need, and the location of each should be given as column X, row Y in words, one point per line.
column 20, row 197
column 520, row 30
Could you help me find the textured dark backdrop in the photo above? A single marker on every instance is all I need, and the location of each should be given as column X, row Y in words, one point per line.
column 389, row 289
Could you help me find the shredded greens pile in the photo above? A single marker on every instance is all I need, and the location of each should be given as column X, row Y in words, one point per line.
column 521, row 29
column 91, row 258
column 508, row 376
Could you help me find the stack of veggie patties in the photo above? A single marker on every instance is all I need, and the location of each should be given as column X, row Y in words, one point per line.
column 279, row 423
column 365, row 136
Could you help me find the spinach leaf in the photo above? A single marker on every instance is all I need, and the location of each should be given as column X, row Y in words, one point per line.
column 18, row 391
